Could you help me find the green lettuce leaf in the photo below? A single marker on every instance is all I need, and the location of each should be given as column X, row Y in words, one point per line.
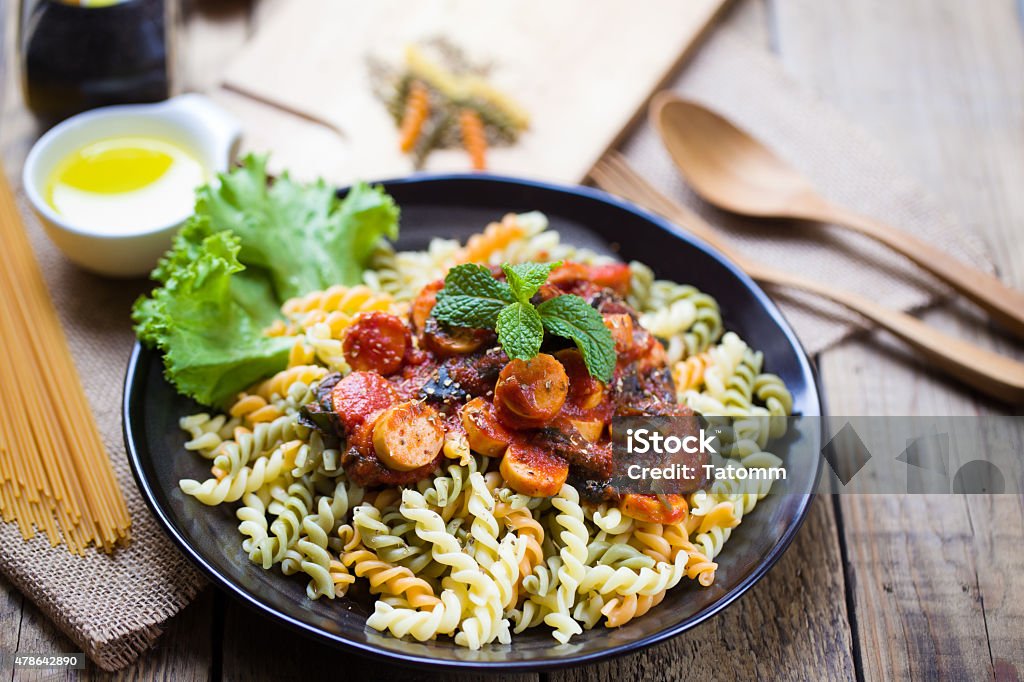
column 208, row 321
column 251, row 245
column 300, row 234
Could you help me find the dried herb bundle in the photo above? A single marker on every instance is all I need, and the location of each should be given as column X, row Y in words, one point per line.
column 439, row 99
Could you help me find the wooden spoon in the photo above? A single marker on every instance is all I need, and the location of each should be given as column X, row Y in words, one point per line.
column 986, row 371
column 735, row 172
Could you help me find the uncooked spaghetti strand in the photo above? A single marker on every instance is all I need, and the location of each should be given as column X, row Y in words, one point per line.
column 57, row 476
column 51, row 448
column 48, row 437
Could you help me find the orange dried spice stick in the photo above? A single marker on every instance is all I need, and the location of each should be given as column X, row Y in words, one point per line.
column 417, row 109
column 474, row 139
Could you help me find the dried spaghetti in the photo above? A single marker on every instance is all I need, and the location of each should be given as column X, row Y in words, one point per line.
column 55, row 476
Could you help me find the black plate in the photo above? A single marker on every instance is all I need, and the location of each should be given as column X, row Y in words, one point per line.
column 456, row 206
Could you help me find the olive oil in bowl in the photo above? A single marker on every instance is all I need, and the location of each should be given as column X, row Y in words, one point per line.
column 112, row 186
column 125, row 184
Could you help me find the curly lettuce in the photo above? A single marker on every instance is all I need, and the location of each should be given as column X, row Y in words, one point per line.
column 250, row 246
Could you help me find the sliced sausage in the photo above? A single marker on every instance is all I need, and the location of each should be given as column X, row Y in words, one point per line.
column 448, row 341
column 585, row 392
column 530, row 393
column 367, row 471
column 590, row 429
column 376, row 341
column 533, row 471
column 669, row 509
column 485, row 433
column 408, row 436
column 424, row 305
column 358, row 396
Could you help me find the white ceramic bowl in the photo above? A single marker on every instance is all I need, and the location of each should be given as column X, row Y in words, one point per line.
column 190, row 121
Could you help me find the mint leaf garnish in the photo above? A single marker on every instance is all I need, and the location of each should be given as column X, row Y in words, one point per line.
column 572, row 317
column 525, row 279
column 469, row 311
column 471, row 297
column 520, row 331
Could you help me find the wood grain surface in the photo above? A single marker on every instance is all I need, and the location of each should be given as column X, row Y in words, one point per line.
column 873, row 587
column 560, row 51
column 940, row 86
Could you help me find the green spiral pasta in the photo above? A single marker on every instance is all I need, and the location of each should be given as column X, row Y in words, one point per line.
column 617, row 554
column 379, row 536
column 310, row 554
column 291, row 507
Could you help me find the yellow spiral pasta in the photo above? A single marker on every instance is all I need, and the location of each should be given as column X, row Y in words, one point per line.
column 689, row 373
column 531, row 535
column 698, row 566
column 337, row 306
column 650, row 538
column 280, row 383
column 442, row 619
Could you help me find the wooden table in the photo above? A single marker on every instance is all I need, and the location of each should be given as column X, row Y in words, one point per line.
column 873, row 587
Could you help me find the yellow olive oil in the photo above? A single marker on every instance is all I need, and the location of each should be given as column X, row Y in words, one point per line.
column 125, row 184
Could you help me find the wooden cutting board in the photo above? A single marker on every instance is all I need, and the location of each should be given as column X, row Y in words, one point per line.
column 582, row 69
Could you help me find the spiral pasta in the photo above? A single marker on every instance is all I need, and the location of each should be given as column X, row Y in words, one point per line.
column 575, row 537
column 310, row 554
column 688, row 319
column 336, row 306
column 620, row 610
column 422, row 625
column 482, row 591
column 390, row 579
column 460, row 553
column 279, row 384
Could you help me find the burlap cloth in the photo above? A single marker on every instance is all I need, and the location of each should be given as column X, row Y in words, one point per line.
column 113, row 606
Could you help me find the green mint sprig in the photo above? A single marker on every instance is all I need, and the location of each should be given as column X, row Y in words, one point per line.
column 473, row 297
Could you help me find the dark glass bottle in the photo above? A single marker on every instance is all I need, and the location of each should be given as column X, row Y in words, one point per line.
column 79, row 56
